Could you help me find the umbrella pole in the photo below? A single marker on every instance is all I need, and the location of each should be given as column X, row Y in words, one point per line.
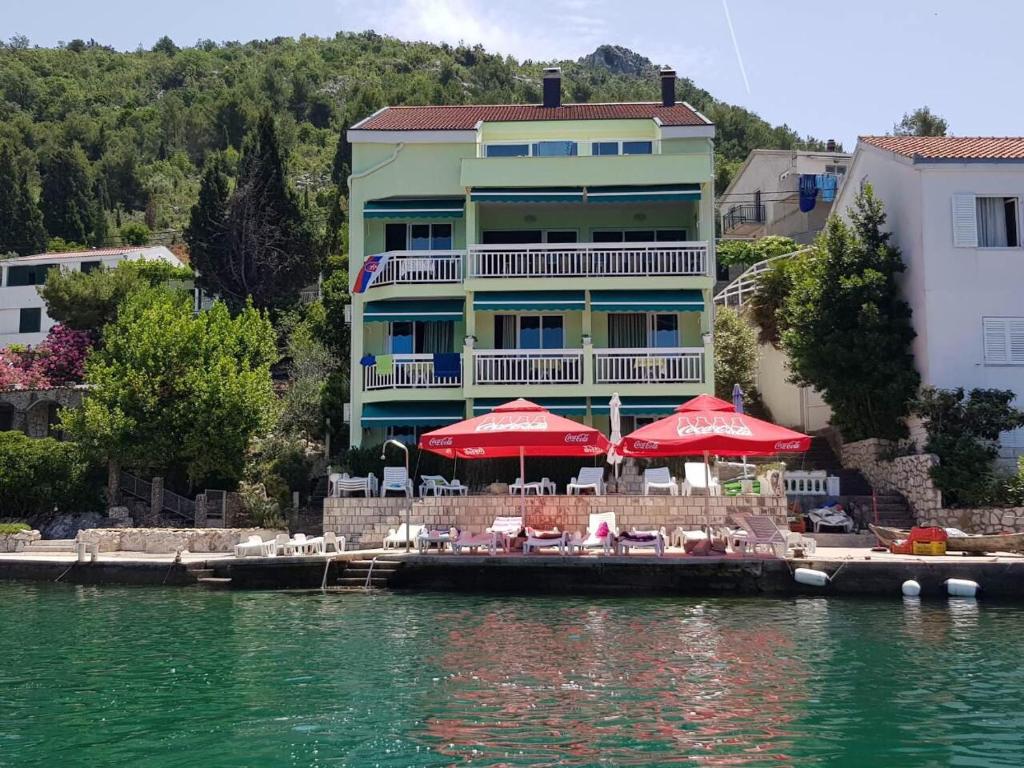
column 707, row 493
column 522, row 483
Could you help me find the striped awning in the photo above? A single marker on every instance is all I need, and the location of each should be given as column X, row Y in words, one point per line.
column 563, row 406
column 687, row 300
column 528, row 301
column 645, row 194
column 424, row 310
column 640, row 406
column 419, row 208
column 528, row 195
column 425, row 414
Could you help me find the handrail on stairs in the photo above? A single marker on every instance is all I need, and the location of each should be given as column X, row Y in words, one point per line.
column 736, row 293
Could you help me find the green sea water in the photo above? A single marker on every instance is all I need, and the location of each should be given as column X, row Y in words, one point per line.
column 160, row 678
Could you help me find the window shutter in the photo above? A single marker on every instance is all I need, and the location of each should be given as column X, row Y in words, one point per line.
column 965, row 221
column 1015, row 335
column 996, row 346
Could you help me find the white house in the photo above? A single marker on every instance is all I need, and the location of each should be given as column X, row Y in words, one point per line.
column 23, row 318
column 764, row 197
column 954, row 208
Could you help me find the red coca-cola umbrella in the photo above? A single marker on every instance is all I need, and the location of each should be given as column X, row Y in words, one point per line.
column 518, row 428
column 707, row 425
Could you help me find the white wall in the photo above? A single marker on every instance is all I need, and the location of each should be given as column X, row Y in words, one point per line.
column 791, row 406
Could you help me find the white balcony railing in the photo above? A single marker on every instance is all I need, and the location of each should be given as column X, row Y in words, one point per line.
column 675, row 365
column 528, row 366
column 407, row 372
column 421, row 267
column 589, row 260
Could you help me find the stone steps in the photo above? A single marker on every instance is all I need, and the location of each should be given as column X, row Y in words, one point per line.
column 51, row 545
column 358, row 572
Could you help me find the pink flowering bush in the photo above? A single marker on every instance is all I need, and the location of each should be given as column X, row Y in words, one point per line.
column 58, row 361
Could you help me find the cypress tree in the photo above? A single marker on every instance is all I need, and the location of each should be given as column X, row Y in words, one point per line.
column 21, row 223
column 67, row 201
column 206, row 233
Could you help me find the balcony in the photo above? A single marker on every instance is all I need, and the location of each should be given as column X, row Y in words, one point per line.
column 677, row 365
column 407, row 372
column 743, row 219
column 528, row 366
column 405, row 267
column 665, row 259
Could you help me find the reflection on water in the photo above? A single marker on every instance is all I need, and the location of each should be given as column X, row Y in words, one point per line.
column 164, row 678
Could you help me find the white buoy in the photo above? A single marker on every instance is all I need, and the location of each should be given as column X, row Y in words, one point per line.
column 911, row 588
column 962, row 588
column 811, row 577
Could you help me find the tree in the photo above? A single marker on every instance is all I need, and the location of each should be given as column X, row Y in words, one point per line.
column 67, row 201
column 86, row 301
column 38, row 476
column 769, row 299
column 268, row 253
column 135, row 233
column 847, row 330
column 963, row 431
column 170, row 388
column 735, row 354
column 311, row 362
column 21, row 222
column 206, row 233
column 921, row 122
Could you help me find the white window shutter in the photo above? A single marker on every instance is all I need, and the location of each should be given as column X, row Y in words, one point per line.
column 965, row 221
column 1015, row 336
column 997, row 348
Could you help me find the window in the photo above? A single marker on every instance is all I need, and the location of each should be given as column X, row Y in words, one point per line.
column 836, row 170
column 417, row 237
column 408, row 337
column 604, row 148
column 639, row 235
column 1003, row 340
column 28, row 275
column 528, row 236
column 529, row 332
column 30, row 320
column 997, row 222
column 404, row 434
column 508, row 150
column 554, row 149
column 637, row 147
column 663, row 331
column 622, row 148
column 90, row 266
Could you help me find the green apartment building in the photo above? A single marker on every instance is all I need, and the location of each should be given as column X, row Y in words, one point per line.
column 554, row 252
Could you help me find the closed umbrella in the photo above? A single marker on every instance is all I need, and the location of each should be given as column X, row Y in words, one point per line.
column 615, row 417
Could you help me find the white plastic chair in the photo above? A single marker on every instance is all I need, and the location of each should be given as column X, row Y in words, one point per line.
column 331, row 539
column 590, row 540
column 695, row 480
column 396, row 479
column 437, row 485
column 588, row 477
column 660, row 478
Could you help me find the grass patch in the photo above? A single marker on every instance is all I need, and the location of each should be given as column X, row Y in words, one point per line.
column 8, row 528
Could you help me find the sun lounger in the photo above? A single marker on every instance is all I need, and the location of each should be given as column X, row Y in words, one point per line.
column 341, row 484
column 437, row 485
column 659, row 478
column 697, row 480
column 680, row 536
column 438, row 538
column 544, row 539
column 256, row 546
column 761, row 531
column 300, row 545
column 506, row 530
column 396, row 479
column 591, row 539
column 473, row 542
column 588, row 477
column 397, row 536
column 641, row 540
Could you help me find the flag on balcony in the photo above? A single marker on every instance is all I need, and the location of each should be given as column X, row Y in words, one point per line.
column 372, row 267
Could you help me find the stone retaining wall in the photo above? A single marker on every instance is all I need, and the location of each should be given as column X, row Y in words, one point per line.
column 366, row 521
column 911, row 477
column 15, row 542
column 170, row 540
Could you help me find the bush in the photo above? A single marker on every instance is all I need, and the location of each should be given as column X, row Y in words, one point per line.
column 963, row 431
column 135, row 233
column 747, row 252
column 7, row 529
column 263, row 511
column 40, row 477
column 1015, row 485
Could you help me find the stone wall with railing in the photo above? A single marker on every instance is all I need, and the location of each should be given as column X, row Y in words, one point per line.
column 911, row 477
column 365, row 522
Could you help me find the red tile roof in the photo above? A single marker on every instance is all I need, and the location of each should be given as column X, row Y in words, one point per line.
column 951, row 147
column 464, row 118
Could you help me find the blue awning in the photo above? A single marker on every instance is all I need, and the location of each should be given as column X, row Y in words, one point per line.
column 419, row 208
column 687, row 300
column 563, row 406
column 655, row 193
column 424, row 310
column 528, row 195
column 425, row 414
column 640, row 406
column 528, row 301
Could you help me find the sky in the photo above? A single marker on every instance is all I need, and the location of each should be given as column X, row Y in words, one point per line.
column 827, row 69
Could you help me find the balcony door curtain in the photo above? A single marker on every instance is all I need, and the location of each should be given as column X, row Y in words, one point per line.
column 992, row 222
column 627, row 330
column 414, row 337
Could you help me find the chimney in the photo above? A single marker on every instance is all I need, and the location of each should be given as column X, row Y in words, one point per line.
column 830, row 145
column 552, row 87
column 668, row 86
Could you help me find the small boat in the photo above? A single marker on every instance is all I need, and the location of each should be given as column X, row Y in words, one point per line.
column 977, row 544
